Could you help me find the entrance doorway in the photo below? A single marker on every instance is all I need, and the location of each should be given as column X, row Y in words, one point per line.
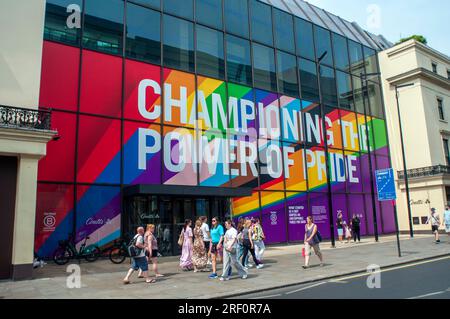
column 168, row 214
column 8, row 180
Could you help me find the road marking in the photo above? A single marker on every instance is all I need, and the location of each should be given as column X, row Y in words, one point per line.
column 337, row 282
column 266, row 297
column 305, row 288
column 394, row 268
column 428, row 295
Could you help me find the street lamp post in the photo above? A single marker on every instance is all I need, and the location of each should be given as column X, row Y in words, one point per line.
column 364, row 78
column 327, row 156
column 405, row 174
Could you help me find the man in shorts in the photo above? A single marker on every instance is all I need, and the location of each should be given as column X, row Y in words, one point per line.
column 139, row 261
column 435, row 223
column 206, row 237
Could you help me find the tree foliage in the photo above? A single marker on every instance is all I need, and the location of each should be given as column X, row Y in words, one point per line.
column 417, row 37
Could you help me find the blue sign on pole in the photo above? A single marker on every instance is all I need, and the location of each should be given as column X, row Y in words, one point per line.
column 385, row 184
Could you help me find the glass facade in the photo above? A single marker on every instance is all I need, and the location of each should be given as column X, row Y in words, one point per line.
column 145, row 80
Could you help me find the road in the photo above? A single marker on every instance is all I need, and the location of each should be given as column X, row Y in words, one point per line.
column 421, row 280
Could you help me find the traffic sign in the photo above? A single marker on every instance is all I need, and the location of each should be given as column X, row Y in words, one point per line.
column 385, row 184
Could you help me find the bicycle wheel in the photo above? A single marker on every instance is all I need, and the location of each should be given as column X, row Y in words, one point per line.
column 62, row 256
column 117, row 255
column 92, row 254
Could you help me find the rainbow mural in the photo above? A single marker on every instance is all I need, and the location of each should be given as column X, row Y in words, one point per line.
column 170, row 127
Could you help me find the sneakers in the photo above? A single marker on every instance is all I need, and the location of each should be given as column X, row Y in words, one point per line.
column 213, row 276
column 224, row 278
column 245, row 276
column 249, row 266
column 259, row 266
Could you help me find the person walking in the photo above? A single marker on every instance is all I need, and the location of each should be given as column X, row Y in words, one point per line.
column 311, row 240
column 199, row 256
column 186, row 253
column 258, row 239
column 229, row 253
column 206, row 238
column 151, row 245
column 356, row 228
column 446, row 220
column 249, row 245
column 139, row 261
column 340, row 225
column 217, row 233
column 435, row 221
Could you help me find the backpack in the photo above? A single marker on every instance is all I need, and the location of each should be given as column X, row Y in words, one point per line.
column 134, row 251
column 319, row 235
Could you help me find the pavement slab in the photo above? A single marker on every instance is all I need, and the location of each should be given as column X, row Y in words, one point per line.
column 103, row 280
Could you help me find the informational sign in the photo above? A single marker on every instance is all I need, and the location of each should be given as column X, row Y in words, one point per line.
column 385, row 185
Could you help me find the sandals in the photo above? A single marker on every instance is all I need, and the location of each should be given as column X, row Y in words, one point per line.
column 126, row 282
column 151, row 281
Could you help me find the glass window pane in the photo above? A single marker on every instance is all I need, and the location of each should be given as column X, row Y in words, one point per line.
column 239, row 65
column 178, row 43
column 308, row 80
column 261, row 22
column 340, row 52
column 56, row 28
column 143, row 34
column 264, row 67
column 356, row 57
column 236, row 17
column 183, row 8
column 209, row 12
column 287, row 74
column 370, row 56
column 376, row 102
column 304, row 39
column 151, row 3
column 103, row 25
column 210, row 56
column 357, row 93
column 284, row 31
column 328, row 86
column 323, row 44
column 345, row 93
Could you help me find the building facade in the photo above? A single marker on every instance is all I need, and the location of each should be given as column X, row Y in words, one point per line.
column 424, row 113
column 24, row 132
column 169, row 110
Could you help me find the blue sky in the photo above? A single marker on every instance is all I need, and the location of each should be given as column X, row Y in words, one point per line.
column 398, row 18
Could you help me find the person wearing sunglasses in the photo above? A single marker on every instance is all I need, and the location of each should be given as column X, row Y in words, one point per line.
column 217, row 233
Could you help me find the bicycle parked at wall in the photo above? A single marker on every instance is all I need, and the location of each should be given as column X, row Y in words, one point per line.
column 119, row 251
column 67, row 250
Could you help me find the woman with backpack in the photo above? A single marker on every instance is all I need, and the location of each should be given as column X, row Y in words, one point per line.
column 312, row 240
column 186, row 252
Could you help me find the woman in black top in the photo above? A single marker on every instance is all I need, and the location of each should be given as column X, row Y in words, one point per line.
column 356, row 229
column 340, row 226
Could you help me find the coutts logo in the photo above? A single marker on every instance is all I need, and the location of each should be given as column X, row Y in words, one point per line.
column 99, row 221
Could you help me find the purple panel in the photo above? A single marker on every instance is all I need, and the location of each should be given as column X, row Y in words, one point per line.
column 274, row 223
column 369, row 214
column 383, row 162
column 297, row 208
column 357, row 207
column 365, row 173
column 387, row 211
column 318, row 208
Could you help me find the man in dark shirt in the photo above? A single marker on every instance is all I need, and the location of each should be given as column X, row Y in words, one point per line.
column 356, row 229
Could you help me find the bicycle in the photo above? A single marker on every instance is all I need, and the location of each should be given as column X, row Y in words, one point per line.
column 67, row 250
column 119, row 251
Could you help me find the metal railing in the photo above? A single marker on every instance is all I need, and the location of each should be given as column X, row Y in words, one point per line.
column 425, row 171
column 25, row 118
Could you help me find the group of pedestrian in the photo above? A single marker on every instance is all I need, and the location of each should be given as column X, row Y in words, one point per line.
column 147, row 252
column 350, row 230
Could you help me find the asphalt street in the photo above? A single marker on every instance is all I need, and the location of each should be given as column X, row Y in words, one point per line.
column 421, row 280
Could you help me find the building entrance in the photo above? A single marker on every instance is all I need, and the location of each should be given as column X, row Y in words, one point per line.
column 168, row 214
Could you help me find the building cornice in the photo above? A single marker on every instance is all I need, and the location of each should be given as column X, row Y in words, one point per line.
column 26, row 135
column 413, row 44
column 420, row 73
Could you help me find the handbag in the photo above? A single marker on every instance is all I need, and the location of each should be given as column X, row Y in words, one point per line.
column 134, row 251
column 181, row 239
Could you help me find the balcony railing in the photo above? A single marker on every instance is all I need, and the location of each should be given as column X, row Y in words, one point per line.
column 425, row 171
column 25, row 118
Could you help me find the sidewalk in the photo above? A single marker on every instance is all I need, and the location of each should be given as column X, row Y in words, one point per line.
column 103, row 279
